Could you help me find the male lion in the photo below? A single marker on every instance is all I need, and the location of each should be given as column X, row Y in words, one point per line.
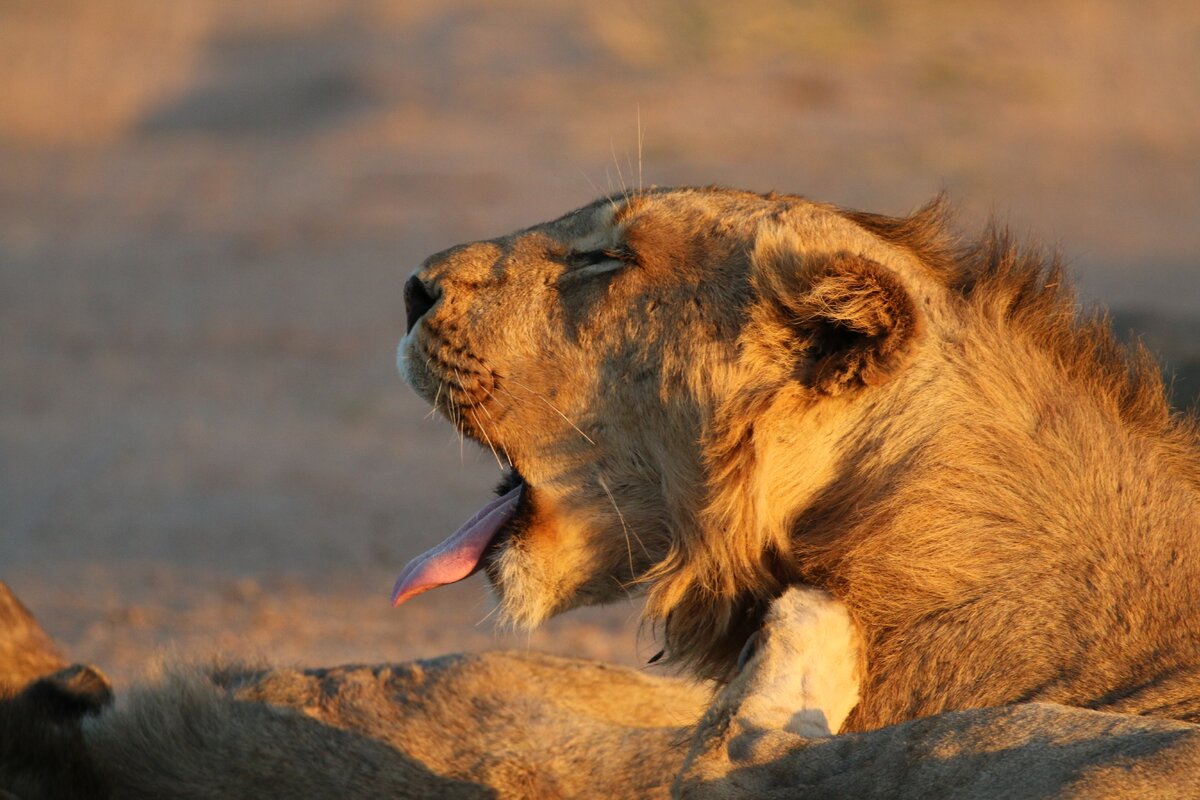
column 711, row 395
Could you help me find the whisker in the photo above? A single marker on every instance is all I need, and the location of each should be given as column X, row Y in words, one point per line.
column 495, row 608
column 510, row 394
column 462, row 437
column 620, row 175
column 596, row 189
column 436, row 396
column 491, row 395
column 633, row 532
column 488, row 439
column 552, row 407
column 624, row 527
column 640, row 185
column 441, row 383
column 623, row 587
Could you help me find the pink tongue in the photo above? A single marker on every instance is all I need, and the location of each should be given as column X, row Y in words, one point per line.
column 460, row 555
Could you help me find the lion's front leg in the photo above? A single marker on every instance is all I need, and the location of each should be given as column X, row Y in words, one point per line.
column 798, row 679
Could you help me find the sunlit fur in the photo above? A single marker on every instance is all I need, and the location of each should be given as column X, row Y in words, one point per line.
column 26, row 652
column 766, row 734
column 797, row 683
column 524, row 725
column 774, row 391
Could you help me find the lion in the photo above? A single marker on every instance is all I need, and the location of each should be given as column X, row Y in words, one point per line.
column 508, row 725
column 708, row 395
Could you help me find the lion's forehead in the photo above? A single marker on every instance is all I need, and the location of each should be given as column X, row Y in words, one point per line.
column 614, row 211
column 701, row 226
column 692, row 210
column 705, row 213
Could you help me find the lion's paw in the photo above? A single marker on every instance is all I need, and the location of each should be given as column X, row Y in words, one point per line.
column 800, row 672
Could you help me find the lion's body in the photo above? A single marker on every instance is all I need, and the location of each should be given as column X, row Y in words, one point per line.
column 490, row 725
column 711, row 395
column 515, row 725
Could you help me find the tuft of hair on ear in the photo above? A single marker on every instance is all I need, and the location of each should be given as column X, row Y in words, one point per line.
column 856, row 323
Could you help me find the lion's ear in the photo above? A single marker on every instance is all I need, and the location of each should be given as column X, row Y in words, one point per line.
column 855, row 321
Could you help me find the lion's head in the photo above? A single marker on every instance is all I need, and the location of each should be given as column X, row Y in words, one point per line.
column 619, row 358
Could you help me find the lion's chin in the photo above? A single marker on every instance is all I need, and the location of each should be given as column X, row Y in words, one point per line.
column 544, row 564
column 523, row 584
column 524, row 599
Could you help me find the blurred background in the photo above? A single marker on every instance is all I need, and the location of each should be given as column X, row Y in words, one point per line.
column 208, row 209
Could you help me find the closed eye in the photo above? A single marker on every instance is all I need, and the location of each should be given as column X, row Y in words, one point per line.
column 591, row 258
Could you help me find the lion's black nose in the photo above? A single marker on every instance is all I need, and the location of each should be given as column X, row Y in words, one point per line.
column 417, row 300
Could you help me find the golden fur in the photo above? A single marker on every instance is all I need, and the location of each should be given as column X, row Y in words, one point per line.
column 26, row 652
column 711, row 395
column 525, row 725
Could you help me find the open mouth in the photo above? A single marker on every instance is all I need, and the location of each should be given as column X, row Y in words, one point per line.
column 470, row 548
column 465, row 551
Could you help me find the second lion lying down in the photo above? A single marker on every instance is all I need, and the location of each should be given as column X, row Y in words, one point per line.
column 514, row 725
column 710, row 395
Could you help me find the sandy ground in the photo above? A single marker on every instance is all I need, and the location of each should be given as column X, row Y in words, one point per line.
column 208, row 209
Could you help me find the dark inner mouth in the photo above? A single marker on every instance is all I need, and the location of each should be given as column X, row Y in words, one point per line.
column 509, row 480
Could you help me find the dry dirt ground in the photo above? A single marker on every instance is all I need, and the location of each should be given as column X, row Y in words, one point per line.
column 208, row 209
